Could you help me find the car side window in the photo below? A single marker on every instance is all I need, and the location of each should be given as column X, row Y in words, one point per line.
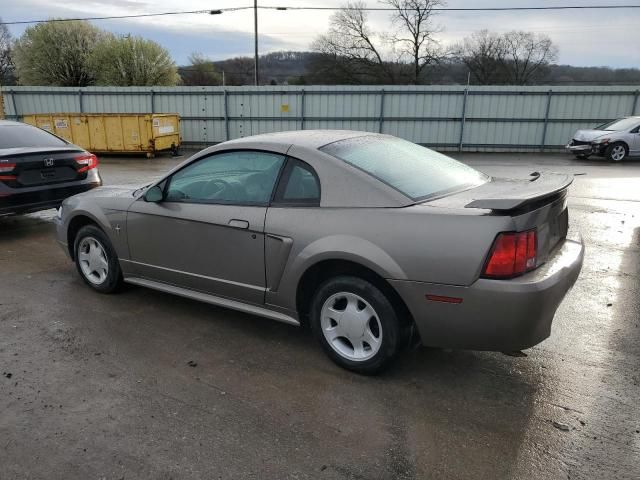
column 242, row 177
column 299, row 185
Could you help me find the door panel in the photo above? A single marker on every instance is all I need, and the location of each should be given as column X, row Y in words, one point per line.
column 217, row 249
column 207, row 233
column 635, row 144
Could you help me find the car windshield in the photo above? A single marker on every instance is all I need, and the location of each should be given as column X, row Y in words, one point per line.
column 21, row 136
column 620, row 124
column 415, row 171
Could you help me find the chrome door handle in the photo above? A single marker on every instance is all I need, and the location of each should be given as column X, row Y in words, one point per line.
column 235, row 223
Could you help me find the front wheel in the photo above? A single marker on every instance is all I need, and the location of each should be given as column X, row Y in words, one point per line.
column 356, row 324
column 96, row 260
column 616, row 152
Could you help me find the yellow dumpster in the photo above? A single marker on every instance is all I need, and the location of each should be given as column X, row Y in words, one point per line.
column 113, row 132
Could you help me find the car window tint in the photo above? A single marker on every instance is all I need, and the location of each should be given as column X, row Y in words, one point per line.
column 21, row 136
column 417, row 172
column 241, row 177
column 302, row 185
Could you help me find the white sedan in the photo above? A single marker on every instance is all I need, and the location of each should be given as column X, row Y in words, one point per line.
column 615, row 140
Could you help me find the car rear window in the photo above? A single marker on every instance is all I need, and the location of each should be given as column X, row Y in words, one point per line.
column 19, row 136
column 415, row 171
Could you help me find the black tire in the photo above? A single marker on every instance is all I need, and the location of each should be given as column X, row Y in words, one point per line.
column 113, row 280
column 613, row 148
column 392, row 329
column 582, row 156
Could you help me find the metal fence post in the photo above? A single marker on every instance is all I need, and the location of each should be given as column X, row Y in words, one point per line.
column 546, row 121
column 226, row 116
column 152, row 94
column 635, row 102
column 381, row 119
column 462, row 119
column 13, row 103
column 80, row 101
column 302, row 109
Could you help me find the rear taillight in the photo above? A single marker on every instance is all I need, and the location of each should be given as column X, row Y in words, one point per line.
column 86, row 161
column 512, row 254
column 5, row 168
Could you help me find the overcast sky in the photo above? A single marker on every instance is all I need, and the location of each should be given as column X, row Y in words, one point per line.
column 586, row 37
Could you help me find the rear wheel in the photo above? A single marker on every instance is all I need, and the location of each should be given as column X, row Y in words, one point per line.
column 96, row 260
column 616, row 152
column 356, row 324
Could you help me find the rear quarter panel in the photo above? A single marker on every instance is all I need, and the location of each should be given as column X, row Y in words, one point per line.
column 416, row 243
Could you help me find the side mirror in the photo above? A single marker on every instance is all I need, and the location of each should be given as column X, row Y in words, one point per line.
column 154, row 194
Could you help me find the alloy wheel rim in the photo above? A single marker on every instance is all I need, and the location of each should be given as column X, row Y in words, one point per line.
column 617, row 153
column 93, row 260
column 351, row 326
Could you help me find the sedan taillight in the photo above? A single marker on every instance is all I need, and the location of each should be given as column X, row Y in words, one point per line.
column 512, row 254
column 86, row 161
column 6, row 167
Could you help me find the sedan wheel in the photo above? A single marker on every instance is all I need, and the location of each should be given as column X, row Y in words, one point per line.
column 616, row 152
column 357, row 325
column 351, row 326
column 93, row 260
column 96, row 260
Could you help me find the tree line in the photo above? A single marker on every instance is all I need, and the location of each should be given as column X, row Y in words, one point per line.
column 78, row 54
column 356, row 53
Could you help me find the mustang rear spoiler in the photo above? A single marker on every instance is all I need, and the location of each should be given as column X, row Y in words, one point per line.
column 503, row 194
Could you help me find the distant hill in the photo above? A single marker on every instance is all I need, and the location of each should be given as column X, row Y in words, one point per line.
column 292, row 67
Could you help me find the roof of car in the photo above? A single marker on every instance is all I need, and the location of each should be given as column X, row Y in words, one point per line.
column 7, row 123
column 304, row 138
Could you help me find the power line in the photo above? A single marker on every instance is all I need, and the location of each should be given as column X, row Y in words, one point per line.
column 465, row 9
column 113, row 17
column 297, row 8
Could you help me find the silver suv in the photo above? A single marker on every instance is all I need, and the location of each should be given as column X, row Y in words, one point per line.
column 614, row 140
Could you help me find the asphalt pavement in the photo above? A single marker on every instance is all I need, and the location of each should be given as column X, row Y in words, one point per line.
column 145, row 385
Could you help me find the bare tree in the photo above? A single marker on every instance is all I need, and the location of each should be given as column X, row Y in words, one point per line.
column 414, row 33
column 351, row 41
column 201, row 71
column 239, row 70
column 6, row 64
column 526, row 55
column 516, row 58
column 483, row 54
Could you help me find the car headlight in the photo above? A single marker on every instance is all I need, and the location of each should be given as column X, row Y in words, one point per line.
column 601, row 140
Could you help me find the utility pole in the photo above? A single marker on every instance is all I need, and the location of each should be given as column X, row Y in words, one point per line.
column 255, row 24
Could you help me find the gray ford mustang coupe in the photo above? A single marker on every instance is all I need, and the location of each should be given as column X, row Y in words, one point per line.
column 371, row 240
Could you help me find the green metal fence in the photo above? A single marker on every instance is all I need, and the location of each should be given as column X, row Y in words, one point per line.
column 492, row 118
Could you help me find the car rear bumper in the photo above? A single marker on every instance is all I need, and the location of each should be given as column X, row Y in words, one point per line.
column 498, row 315
column 16, row 201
